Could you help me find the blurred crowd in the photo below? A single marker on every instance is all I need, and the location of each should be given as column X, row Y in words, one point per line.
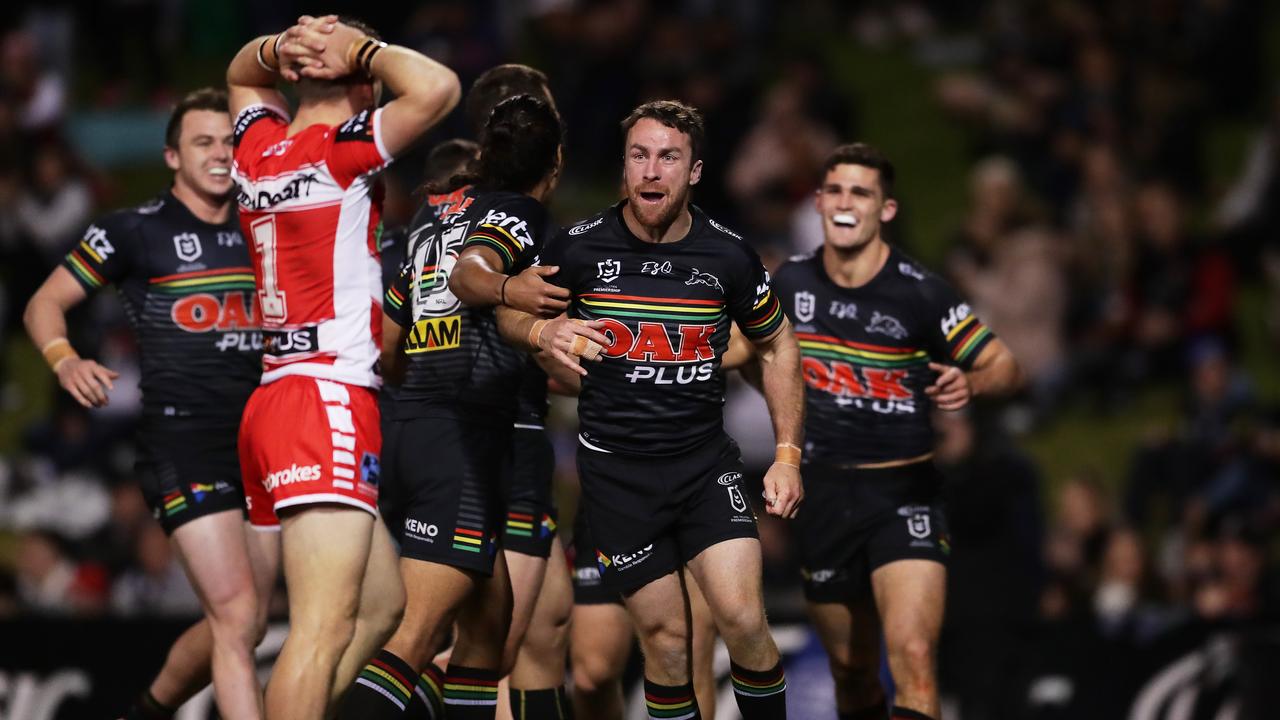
column 1100, row 239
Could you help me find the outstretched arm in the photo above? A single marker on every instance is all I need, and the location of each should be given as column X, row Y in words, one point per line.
column 564, row 339
column 477, row 280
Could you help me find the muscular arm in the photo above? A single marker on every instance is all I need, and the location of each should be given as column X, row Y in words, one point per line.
column 425, row 92
column 46, row 321
column 392, row 359
column 782, row 385
column 994, row 372
column 248, row 83
column 477, row 280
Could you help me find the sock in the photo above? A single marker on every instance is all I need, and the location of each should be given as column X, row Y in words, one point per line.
column 871, row 712
column 427, row 702
column 147, row 707
column 548, row 704
column 901, row 713
column 470, row 693
column 670, row 702
column 382, row 689
column 761, row 694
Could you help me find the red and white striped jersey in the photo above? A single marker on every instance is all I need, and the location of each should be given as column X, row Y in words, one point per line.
column 311, row 205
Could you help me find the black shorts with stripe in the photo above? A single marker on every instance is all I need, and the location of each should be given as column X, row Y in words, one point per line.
column 443, row 496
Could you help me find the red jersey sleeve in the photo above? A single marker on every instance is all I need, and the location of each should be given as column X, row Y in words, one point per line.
column 356, row 149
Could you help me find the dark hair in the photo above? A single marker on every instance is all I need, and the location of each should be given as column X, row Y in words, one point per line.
column 497, row 84
column 866, row 156
column 206, row 98
column 673, row 114
column 518, row 147
column 449, row 158
column 312, row 89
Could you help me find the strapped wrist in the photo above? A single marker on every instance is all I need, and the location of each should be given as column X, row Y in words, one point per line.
column 787, row 454
column 535, row 333
column 58, row 351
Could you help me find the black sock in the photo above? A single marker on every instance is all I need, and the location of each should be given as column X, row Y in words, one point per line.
column 147, row 707
column 670, row 702
column 901, row 713
column 381, row 691
column 548, row 704
column 871, row 712
column 761, row 694
column 470, row 693
column 427, row 702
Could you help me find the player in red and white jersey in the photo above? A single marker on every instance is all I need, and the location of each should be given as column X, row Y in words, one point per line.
column 309, row 439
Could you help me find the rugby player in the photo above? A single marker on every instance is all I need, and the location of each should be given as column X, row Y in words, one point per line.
column 450, row 434
column 661, row 481
column 310, row 206
column 183, row 272
column 883, row 341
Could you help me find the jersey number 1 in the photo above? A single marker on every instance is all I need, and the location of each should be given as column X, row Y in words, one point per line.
column 270, row 296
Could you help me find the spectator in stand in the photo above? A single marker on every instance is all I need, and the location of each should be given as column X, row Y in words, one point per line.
column 51, row 583
column 57, row 203
column 156, row 586
column 40, row 94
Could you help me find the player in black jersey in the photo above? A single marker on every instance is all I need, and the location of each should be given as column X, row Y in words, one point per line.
column 450, row 432
column 884, row 342
column 182, row 270
column 656, row 285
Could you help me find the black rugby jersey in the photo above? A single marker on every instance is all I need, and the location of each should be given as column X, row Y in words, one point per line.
column 667, row 308
column 866, row 353
column 456, row 362
column 187, row 289
column 531, row 400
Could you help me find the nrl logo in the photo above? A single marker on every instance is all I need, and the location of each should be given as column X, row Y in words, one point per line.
column 805, row 305
column 187, row 245
column 609, row 270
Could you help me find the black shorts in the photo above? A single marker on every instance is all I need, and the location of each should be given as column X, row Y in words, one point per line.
column 649, row 515
column 588, row 588
column 189, row 468
column 443, row 496
column 853, row 521
column 531, row 515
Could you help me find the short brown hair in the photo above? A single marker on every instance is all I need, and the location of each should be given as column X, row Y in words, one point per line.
column 497, row 84
column 866, row 156
column 673, row 114
column 206, row 98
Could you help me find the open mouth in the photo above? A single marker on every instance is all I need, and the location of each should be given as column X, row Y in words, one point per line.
column 652, row 196
column 844, row 220
column 219, row 171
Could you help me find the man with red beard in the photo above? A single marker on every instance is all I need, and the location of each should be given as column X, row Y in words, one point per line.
column 657, row 284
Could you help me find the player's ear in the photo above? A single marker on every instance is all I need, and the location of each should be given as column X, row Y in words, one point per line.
column 171, row 158
column 695, row 173
column 889, row 210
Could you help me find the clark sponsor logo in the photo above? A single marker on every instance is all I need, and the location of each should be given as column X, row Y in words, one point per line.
column 431, row 334
column 292, row 474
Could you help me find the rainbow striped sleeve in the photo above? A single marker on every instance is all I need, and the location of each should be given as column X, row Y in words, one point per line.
column 964, row 339
column 96, row 260
column 395, row 303
column 497, row 238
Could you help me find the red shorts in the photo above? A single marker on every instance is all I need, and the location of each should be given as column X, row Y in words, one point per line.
column 304, row 441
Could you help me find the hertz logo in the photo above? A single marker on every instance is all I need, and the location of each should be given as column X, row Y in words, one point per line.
column 430, row 334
